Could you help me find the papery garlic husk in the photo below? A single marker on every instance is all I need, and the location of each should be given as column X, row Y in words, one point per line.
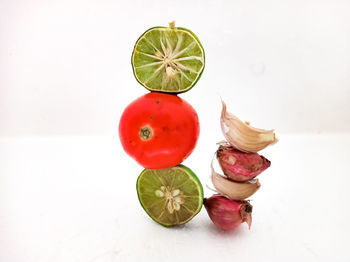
column 240, row 166
column 227, row 213
column 243, row 136
column 232, row 189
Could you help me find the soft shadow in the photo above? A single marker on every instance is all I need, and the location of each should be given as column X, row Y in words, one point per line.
column 215, row 231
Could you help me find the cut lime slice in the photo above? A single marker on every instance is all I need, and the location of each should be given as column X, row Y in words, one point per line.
column 171, row 196
column 168, row 59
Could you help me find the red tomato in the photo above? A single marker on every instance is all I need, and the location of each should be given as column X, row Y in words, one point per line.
column 159, row 130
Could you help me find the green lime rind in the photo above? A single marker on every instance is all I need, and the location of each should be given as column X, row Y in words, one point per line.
column 183, row 186
column 173, row 65
column 200, row 44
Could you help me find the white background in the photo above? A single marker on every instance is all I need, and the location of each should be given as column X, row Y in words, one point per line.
column 65, row 65
column 67, row 189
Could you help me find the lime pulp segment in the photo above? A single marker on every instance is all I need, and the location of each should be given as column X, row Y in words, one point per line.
column 171, row 196
column 168, row 59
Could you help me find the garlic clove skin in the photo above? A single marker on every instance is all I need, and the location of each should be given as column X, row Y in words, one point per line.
column 243, row 136
column 240, row 166
column 234, row 190
column 228, row 214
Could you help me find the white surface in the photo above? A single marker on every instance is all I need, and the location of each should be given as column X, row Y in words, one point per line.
column 65, row 70
column 74, row 199
column 65, row 64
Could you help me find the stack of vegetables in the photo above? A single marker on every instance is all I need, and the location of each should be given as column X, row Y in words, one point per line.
column 240, row 163
column 160, row 130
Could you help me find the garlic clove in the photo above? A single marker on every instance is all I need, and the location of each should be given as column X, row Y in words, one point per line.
column 243, row 136
column 240, row 166
column 234, row 190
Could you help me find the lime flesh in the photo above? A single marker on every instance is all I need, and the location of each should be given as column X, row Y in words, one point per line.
column 171, row 196
column 168, row 59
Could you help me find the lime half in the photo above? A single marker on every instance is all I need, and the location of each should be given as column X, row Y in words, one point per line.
column 171, row 196
column 168, row 59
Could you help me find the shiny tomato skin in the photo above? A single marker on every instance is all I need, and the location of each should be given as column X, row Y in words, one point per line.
column 159, row 130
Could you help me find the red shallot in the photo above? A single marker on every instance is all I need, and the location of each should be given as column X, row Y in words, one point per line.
column 240, row 166
column 226, row 213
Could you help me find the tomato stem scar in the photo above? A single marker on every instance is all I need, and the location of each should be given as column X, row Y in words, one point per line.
column 146, row 133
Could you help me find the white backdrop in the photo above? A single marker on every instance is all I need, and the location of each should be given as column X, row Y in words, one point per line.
column 67, row 188
column 65, row 65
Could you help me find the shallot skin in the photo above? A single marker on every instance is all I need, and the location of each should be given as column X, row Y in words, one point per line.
column 240, row 166
column 228, row 214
